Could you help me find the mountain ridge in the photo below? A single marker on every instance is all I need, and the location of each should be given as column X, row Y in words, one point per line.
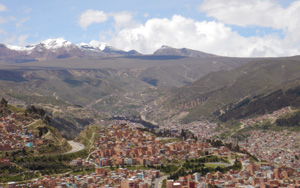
column 60, row 48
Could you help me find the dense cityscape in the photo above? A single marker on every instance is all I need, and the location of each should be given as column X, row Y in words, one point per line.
column 124, row 154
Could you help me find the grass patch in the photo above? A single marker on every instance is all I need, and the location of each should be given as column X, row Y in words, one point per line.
column 19, row 177
column 214, row 165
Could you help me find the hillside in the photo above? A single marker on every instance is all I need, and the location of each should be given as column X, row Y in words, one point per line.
column 28, row 129
column 219, row 90
column 260, row 105
column 80, row 90
column 177, row 85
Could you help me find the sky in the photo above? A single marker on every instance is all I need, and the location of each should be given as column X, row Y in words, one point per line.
column 239, row 28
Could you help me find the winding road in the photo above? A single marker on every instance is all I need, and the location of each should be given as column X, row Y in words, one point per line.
column 75, row 147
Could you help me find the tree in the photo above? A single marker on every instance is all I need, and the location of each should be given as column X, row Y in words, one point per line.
column 183, row 134
column 3, row 102
column 47, row 119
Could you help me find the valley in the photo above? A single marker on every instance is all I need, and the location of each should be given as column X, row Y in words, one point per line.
column 174, row 114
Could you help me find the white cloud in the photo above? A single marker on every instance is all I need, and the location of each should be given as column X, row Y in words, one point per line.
column 13, row 39
column 2, row 8
column 122, row 18
column 92, row 16
column 263, row 13
column 244, row 13
column 213, row 37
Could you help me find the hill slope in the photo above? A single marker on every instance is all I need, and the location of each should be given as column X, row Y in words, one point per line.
column 30, row 129
column 217, row 90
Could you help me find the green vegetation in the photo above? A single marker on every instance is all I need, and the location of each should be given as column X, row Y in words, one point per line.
column 258, row 87
column 87, row 134
column 19, row 177
column 45, row 164
column 293, row 120
column 47, row 158
column 214, row 165
column 9, row 169
column 83, row 171
column 198, row 165
column 164, row 183
column 167, row 169
column 266, row 104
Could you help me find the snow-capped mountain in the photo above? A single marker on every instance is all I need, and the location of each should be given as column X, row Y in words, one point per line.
column 104, row 47
column 93, row 45
column 60, row 48
column 49, row 44
column 48, row 49
column 57, row 49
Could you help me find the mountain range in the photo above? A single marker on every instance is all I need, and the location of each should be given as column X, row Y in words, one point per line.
column 57, row 49
column 60, row 49
column 82, row 83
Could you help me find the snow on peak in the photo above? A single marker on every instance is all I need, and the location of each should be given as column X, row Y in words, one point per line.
column 51, row 44
column 97, row 44
column 93, row 45
column 56, row 43
column 27, row 48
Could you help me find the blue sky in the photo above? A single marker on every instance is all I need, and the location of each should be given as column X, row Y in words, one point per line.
column 233, row 27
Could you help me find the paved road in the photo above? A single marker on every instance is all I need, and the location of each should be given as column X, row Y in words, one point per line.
column 158, row 181
column 75, row 147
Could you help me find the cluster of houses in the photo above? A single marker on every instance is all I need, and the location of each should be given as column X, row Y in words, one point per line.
column 277, row 147
column 201, row 129
column 124, row 145
column 15, row 135
column 270, row 117
column 121, row 145
column 101, row 178
column 263, row 175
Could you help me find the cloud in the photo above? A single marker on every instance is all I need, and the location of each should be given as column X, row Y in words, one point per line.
column 20, row 22
column 122, row 18
column 146, row 15
column 213, row 37
column 9, row 40
column 22, row 40
column 244, row 13
column 14, row 39
column 2, row 8
column 92, row 16
column 262, row 13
